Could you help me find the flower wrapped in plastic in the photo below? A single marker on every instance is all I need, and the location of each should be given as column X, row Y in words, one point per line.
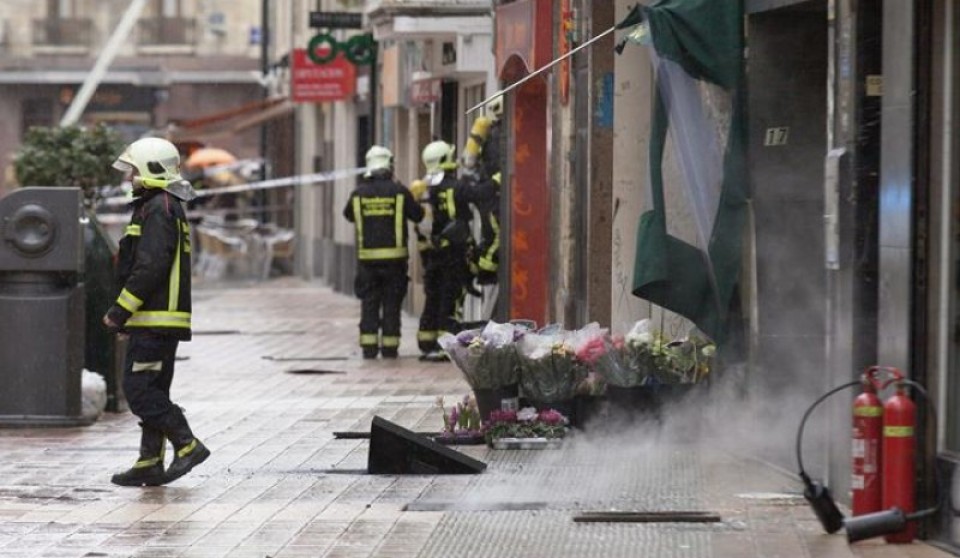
column 487, row 357
column 643, row 357
column 549, row 369
column 596, row 351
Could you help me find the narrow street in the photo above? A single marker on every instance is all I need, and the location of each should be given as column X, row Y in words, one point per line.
column 274, row 371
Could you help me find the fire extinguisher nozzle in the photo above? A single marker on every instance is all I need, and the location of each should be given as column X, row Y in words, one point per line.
column 875, row 524
column 826, row 510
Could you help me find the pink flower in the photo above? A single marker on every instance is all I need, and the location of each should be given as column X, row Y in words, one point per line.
column 497, row 416
column 552, row 417
column 592, row 350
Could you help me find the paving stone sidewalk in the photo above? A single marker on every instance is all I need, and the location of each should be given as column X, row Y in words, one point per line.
column 274, row 370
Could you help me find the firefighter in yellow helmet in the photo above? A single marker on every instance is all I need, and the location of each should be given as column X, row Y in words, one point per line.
column 379, row 209
column 443, row 248
column 153, row 307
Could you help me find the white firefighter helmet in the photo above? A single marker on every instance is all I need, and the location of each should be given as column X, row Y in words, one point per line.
column 378, row 158
column 156, row 160
column 439, row 156
column 495, row 107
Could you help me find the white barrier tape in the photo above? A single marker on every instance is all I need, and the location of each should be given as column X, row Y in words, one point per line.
column 298, row 180
column 301, row 179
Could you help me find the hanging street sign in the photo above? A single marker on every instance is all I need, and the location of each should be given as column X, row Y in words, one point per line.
column 336, row 20
column 316, row 83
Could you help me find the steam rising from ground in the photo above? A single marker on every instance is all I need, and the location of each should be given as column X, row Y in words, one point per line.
column 723, row 418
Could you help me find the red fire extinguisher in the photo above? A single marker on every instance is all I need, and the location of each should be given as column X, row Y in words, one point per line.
column 899, row 449
column 866, row 449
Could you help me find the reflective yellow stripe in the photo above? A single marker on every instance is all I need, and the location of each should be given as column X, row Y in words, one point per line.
column 398, row 222
column 358, row 223
column 132, row 230
column 185, row 450
column 426, row 335
column 160, row 319
column 128, row 301
column 868, row 411
column 495, row 245
column 897, row 431
column 390, row 341
column 173, row 292
column 451, row 207
column 155, row 366
column 368, row 339
column 143, row 463
column 381, row 253
column 487, row 264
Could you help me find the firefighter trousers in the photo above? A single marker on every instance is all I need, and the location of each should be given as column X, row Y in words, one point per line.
column 381, row 287
column 444, row 294
column 147, row 376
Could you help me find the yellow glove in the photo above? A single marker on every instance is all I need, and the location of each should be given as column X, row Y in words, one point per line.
column 418, row 188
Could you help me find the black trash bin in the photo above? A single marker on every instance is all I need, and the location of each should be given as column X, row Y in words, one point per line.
column 42, row 305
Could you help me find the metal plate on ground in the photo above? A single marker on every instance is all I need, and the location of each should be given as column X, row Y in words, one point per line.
column 428, row 506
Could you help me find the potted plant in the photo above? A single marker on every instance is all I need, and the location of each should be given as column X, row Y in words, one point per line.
column 461, row 422
column 527, row 428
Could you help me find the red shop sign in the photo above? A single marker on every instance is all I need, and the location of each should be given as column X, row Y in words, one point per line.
column 319, row 83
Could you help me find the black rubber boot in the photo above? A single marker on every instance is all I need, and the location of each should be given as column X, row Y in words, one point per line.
column 389, row 352
column 148, row 470
column 188, row 451
column 369, row 352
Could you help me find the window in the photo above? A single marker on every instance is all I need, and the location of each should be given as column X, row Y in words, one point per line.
column 60, row 9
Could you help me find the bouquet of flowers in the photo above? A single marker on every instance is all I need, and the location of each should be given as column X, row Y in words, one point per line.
column 549, row 368
column 638, row 358
column 524, row 424
column 462, row 421
column 689, row 360
column 487, row 357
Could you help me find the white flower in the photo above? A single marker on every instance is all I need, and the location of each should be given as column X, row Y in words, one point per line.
column 527, row 414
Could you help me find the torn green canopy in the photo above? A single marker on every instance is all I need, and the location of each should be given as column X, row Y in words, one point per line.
column 702, row 39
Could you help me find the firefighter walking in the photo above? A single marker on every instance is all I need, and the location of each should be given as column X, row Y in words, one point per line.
column 443, row 248
column 379, row 209
column 153, row 307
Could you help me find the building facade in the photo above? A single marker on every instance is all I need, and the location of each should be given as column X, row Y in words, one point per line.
column 182, row 59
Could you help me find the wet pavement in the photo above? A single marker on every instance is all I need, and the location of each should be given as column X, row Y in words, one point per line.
column 274, row 371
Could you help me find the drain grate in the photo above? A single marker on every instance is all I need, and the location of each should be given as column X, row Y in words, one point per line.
column 313, row 371
column 476, row 505
column 302, row 359
column 667, row 516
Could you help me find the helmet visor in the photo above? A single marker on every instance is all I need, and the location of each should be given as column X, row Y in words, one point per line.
column 123, row 166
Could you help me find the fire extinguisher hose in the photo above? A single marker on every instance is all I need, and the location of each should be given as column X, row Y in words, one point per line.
column 932, row 411
column 803, row 422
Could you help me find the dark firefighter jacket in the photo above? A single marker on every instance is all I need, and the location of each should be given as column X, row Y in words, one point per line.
column 451, row 212
column 379, row 208
column 153, row 268
column 484, row 194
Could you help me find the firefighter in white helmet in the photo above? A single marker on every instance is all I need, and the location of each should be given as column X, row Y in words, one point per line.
column 153, row 307
column 379, row 209
column 443, row 248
